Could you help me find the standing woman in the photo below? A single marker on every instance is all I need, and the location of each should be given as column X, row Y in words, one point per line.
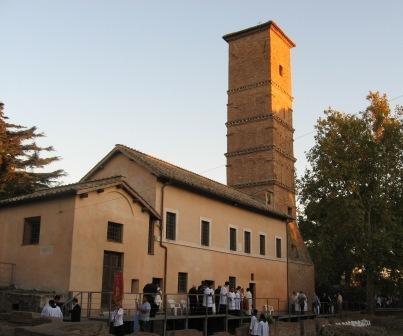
column 117, row 320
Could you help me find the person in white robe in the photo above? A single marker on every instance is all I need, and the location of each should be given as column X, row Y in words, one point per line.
column 266, row 328
column 208, row 299
column 254, row 324
column 52, row 310
column 248, row 296
column 238, row 301
column 223, row 298
column 231, row 301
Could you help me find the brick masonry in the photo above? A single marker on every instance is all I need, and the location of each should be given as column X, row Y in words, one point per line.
column 260, row 156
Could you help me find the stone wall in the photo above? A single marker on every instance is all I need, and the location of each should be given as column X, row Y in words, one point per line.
column 14, row 299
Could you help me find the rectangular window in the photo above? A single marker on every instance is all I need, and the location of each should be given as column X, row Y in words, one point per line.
column 182, row 282
column 232, row 239
column 205, row 233
column 278, row 247
column 262, row 239
column 32, row 228
column 246, row 241
column 232, row 282
column 115, row 232
column 269, row 198
column 135, row 286
column 171, row 225
column 151, row 237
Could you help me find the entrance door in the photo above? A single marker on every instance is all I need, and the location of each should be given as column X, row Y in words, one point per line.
column 113, row 262
column 252, row 287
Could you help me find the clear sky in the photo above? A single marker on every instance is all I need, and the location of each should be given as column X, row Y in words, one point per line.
column 153, row 74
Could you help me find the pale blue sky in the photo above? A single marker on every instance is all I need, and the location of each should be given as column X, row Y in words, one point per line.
column 153, row 75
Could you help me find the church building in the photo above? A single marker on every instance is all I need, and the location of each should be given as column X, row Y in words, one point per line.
column 155, row 221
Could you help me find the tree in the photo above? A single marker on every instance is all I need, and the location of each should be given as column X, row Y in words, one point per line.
column 21, row 158
column 352, row 197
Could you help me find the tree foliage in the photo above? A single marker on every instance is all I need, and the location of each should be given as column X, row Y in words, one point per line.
column 21, row 160
column 352, row 197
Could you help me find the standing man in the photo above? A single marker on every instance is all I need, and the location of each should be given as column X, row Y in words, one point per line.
column 223, row 298
column 249, row 298
column 57, row 301
column 76, row 311
column 294, row 301
column 117, row 320
column 339, row 302
column 238, row 301
column 217, row 298
column 254, row 324
column 208, row 299
column 302, row 299
column 150, row 291
column 316, row 304
column 144, row 315
column 231, row 301
column 193, row 299
column 53, row 311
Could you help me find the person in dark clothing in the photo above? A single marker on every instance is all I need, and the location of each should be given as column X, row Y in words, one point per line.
column 193, row 299
column 75, row 312
column 302, row 300
column 150, row 290
column 217, row 298
column 200, row 292
column 57, row 301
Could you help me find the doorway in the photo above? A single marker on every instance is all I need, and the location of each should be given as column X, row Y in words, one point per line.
column 159, row 282
column 252, row 287
column 113, row 262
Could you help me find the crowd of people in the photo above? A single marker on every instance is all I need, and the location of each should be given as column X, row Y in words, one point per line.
column 201, row 300
column 259, row 327
column 386, row 301
column 53, row 309
column 223, row 299
column 326, row 304
column 205, row 299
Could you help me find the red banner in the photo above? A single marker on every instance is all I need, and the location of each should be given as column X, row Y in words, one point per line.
column 117, row 293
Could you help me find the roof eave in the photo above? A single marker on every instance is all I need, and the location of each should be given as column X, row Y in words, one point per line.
column 183, row 185
column 62, row 194
column 258, row 28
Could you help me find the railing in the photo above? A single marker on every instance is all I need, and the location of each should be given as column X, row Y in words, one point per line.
column 196, row 311
column 6, row 274
column 98, row 305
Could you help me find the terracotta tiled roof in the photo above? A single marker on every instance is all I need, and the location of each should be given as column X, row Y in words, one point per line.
column 75, row 188
column 187, row 179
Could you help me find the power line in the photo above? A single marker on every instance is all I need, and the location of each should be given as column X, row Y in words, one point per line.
column 295, row 139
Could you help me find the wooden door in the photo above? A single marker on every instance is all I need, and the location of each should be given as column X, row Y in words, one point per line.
column 113, row 262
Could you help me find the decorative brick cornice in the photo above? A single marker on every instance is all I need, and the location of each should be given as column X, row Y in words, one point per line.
column 259, row 84
column 249, row 151
column 260, row 118
column 260, row 149
column 263, row 182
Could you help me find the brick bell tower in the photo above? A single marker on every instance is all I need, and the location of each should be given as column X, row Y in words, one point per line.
column 260, row 160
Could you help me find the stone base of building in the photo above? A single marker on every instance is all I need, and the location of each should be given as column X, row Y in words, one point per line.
column 301, row 277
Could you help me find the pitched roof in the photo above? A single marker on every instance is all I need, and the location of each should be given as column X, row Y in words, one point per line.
column 189, row 180
column 80, row 188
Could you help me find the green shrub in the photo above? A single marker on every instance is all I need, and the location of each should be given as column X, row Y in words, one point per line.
column 334, row 330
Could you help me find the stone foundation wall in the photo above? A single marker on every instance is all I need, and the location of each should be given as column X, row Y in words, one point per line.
column 13, row 299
